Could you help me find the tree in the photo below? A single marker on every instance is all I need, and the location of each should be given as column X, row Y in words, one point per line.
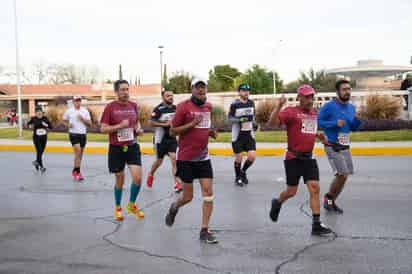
column 222, row 78
column 319, row 80
column 179, row 82
column 260, row 80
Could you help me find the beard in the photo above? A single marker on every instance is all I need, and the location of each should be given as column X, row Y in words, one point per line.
column 345, row 98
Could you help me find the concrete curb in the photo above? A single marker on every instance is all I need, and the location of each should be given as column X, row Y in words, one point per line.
column 398, row 150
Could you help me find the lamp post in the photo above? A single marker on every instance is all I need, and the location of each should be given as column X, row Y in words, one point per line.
column 161, row 67
column 274, row 71
column 18, row 72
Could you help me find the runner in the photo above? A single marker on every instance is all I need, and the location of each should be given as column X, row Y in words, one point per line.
column 40, row 125
column 301, row 125
column 242, row 117
column 77, row 119
column 338, row 118
column 165, row 144
column 120, row 121
column 192, row 123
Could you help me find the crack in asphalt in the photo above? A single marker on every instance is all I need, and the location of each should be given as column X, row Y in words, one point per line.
column 307, row 247
column 145, row 252
column 335, row 236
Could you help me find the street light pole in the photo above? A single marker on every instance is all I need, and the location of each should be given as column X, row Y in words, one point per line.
column 161, row 67
column 274, row 71
column 19, row 111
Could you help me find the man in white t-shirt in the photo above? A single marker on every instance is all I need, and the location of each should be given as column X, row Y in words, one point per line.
column 78, row 119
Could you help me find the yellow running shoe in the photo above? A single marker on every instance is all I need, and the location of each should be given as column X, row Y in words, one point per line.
column 133, row 209
column 118, row 214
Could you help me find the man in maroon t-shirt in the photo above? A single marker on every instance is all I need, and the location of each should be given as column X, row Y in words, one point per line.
column 120, row 121
column 192, row 123
column 301, row 125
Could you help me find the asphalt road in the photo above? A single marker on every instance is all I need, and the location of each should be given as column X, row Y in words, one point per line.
column 50, row 224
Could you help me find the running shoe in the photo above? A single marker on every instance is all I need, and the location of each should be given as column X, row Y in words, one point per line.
column 239, row 181
column 149, row 181
column 318, row 229
column 207, row 237
column 118, row 214
column 42, row 170
column 244, row 177
column 79, row 177
column 36, row 165
column 132, row 208
column 171, row 215
column 275, row 209
column 178, row 187
column 330, row 205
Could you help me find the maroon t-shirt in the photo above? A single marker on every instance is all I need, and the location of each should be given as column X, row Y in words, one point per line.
column 192, row 145
column 301, row 127
column 113, row 114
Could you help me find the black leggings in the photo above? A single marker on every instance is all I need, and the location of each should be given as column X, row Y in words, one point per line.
column 40, row 144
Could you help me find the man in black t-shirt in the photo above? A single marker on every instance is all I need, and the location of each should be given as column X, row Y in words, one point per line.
column 242, row 117
column 164, row 144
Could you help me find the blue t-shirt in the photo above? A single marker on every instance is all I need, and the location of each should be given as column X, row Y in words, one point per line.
column 328, row 118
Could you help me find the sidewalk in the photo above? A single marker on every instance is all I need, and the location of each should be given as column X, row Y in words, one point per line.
column 223, row 149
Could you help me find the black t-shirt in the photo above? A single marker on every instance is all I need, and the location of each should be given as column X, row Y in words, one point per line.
column 163, row 113
column 246, row 111
column 39, row 129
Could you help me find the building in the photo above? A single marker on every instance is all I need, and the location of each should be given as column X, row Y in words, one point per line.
column 33, row 95
column 372, row 75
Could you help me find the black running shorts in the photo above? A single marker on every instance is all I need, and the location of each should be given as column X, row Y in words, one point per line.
column 80, row 139
column 164, row 149
column 297, row 168
column 244, row 143
column 119, row 157
column 187, row 171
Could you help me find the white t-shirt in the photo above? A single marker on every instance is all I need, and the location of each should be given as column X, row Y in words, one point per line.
column 71, row 115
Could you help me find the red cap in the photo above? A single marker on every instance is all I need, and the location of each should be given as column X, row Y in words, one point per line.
column 306, row 90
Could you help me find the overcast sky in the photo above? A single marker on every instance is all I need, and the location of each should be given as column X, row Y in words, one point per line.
column 200, row 34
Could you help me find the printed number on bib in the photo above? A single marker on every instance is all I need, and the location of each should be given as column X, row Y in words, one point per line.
column 41, row 132
column 309, row 126
column 247, row 126
column 343, row 139
column 206, row 122
column 125, row 135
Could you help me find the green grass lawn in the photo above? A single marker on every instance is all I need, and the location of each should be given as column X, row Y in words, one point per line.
column 225, row 137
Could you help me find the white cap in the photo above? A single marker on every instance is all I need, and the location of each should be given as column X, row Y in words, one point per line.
column 76, row 98
column 198, row 80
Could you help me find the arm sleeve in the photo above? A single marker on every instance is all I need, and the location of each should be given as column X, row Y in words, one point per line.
column 323, row 117
column 87, row 115
column 155, row 115
column 179, row 117
column 231, row 115
column 105, row 116
column 66, row 115
column 30, row 122
column 356, row 124
column 284, row 116
column 50, row 126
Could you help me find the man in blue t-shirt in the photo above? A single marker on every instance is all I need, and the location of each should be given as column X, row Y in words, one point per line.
column 338, row 118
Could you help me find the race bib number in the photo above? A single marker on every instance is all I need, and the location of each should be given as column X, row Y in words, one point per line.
column 247, row 126
column 343, row 139
column 125, row 135
column 309, row 126
column 206, row 121
column 41, row 132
